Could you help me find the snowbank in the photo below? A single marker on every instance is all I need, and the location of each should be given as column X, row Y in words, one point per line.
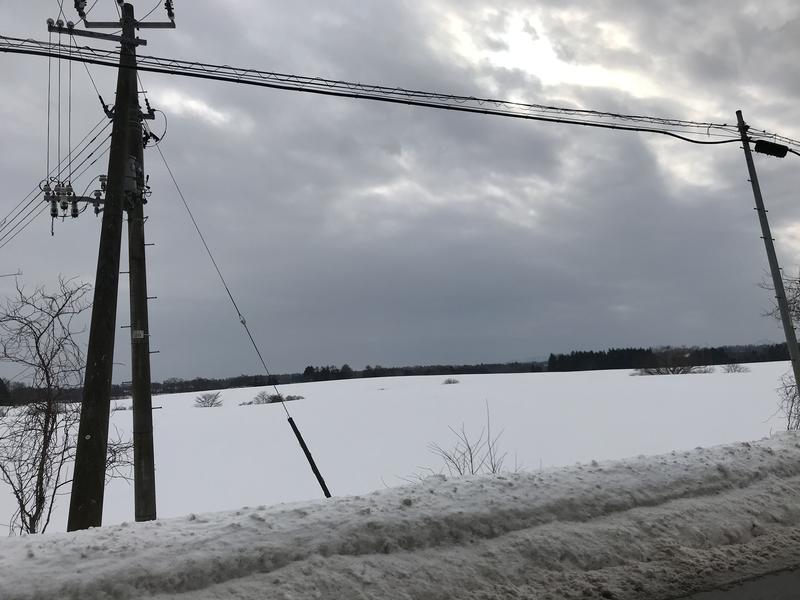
column 653, row 527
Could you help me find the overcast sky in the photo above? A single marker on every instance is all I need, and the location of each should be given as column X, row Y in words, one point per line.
column 369, row 233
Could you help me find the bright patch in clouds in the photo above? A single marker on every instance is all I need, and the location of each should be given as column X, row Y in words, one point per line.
column 686, row 164
column 526, row 46
column 180, row 104
column 789, row 236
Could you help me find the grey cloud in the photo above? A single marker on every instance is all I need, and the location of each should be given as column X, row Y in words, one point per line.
column 365, row 233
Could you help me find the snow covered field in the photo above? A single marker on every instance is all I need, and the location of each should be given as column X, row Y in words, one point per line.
column 637, row 528
column 370, row 433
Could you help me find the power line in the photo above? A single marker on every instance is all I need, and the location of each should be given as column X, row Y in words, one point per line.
column 78, row 152
column 69, row 112
column 22, row 224
column 88, row 72
column 92, row 6
column 691, row 131
column 21, row 219
column 242, row 320
column 151, row 11
column 49, row 82
column 53, row 171
column 99, row 156
column 58, row 144
column 22, row 228
column 217, row 269
column 94, row 85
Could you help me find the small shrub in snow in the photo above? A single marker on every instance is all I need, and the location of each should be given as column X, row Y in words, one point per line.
column 734, row 368
column 263, row 397
column 208, row 400
column 450, row 381
column 471, row 454
column 674, row 370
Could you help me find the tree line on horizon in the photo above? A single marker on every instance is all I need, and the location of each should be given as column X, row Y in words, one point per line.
column 16, row 393
column 667, row 356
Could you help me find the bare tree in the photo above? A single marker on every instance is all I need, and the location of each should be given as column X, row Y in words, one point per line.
column 208, row 400
column 735, row 368
column 791, row 285
column 789, row 401
column 37, row 440
column 787, row 390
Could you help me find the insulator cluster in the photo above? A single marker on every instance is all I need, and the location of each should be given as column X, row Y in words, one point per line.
column 63, row 201
column 61, row 196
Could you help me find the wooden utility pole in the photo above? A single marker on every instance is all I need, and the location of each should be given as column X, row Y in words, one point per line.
column 772, row 258
column 88, row 482
column 125, row 190
column 144, row 484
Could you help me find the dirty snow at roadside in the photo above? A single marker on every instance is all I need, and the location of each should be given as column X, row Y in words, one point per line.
column 647, row 527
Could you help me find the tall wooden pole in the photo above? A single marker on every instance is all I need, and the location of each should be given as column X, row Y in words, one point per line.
column 772, row 258
column 88, row 483
column 144, row 484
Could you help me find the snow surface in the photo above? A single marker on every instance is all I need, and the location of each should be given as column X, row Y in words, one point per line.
column 634, row 528
column 638, row 528
column 368, row 434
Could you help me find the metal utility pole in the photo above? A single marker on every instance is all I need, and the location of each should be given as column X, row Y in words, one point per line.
column 88, row 482
column 143, row 458
column 777, row 279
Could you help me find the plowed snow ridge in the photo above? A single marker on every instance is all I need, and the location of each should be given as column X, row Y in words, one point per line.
column 652, row 527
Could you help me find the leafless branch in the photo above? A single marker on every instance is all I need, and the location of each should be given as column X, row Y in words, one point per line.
column 789, row 401
column 37, row 441
column 469, row 454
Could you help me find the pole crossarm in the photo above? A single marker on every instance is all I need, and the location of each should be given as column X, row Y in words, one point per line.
column 160, row 25
column 691, row 131
column 60, row 29
column 101, row 24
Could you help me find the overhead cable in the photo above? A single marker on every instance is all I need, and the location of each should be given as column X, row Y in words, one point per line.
column 691, row 131
column 292, row 424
